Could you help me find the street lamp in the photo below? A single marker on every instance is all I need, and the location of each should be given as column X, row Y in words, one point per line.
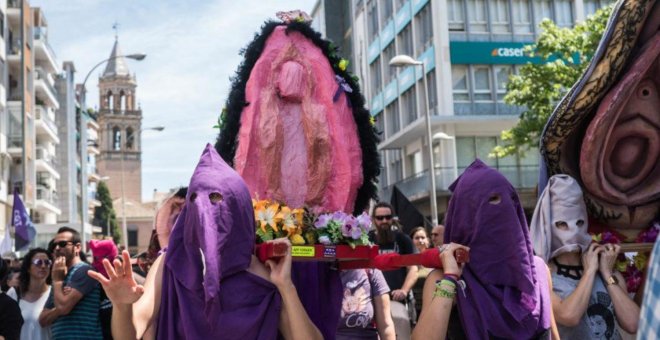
column 124, row 227
column 83, row 104
column 403, row 61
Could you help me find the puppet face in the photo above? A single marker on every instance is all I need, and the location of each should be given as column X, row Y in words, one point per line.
column 104, row 249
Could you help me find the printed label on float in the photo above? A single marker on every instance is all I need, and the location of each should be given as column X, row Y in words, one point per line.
column 302, row 251
column 329, row 252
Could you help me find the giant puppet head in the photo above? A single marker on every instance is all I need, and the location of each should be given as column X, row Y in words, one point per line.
column 295, row 127
column 606, row 131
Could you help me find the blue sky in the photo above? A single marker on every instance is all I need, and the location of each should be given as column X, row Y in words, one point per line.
column 192, row 50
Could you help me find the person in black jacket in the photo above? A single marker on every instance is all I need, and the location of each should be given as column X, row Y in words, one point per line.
column 11, row 320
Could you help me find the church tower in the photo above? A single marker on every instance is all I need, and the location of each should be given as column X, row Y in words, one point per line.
column 120, row 122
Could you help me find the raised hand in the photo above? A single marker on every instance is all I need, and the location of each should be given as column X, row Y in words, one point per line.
column 58, row 272
column 280, row 270
column 608, row 259
column 121, row 288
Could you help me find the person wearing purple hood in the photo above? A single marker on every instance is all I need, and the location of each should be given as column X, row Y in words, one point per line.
column 504, row 291
column 208, row 284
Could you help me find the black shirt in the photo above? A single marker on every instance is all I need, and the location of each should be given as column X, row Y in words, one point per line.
column 11, row 319
column 402, row 245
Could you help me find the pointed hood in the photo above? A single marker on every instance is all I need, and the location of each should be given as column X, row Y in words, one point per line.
column 116, row 66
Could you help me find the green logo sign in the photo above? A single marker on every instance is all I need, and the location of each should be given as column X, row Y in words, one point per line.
column 476, row 52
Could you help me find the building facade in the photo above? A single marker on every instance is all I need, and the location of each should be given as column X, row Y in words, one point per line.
column 469, row 49
column 5, row 158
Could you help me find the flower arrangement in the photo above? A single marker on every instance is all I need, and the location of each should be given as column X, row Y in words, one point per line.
column 305, row 227
column 631, row 268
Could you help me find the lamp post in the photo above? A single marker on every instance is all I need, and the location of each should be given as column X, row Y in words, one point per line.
column 83, row 105
column 402, row 61
column 124, row 227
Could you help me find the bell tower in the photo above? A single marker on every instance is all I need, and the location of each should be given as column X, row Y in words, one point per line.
column 120, row 122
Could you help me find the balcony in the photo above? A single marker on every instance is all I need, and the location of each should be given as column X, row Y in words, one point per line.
column 45, row 124
column 46, row 200
column 43, row 85
column 44, row 54
column 14, row 50
column 46, row 162
column 14, row 4
column 417, row 186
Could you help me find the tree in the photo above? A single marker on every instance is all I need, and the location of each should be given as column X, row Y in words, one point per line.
column 105, row 214
column 539, row 87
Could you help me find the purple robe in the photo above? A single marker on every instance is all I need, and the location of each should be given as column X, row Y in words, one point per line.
column 506, row 294
column 207, row 292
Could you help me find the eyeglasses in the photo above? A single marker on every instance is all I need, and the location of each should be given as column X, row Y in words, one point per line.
column 40, row 262
column 383, row 217
column 61, row 244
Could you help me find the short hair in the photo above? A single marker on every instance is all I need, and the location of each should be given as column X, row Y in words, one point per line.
column 382, row 205
column 76, row 235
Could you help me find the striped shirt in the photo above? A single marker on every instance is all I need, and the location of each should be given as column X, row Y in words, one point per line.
column 83, row 320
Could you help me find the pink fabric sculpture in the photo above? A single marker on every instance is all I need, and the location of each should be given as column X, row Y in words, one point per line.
column 102, row 249
column 298, row 145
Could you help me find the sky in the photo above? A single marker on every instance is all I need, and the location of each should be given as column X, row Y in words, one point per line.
column 192, row 50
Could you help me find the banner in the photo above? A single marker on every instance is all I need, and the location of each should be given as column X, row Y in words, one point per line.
column 25, row 231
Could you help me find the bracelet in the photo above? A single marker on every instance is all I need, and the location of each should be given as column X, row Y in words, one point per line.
column 450, row 275
column 445, row 288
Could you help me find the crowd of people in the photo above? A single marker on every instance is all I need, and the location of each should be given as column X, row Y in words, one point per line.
column 548, row 280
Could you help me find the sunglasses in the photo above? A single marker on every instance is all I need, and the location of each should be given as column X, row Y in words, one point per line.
column 40, row 262
column 383, row 217
column 61, row 244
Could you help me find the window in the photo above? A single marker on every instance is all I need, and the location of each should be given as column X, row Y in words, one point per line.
column 395, row 166
column 372, row 18
column 460, row 81
column 380, row 122
column 122, row 101
column 110, row 100
column 406, row 41
column 130, row 139
column 424, row 21
column 416, row 162
column 564, row 13
column 132, row 238
column 499, row 15
column 2, row 24
column 376, row 77
column 392, row 114
column 522, row 22
column 116, row 139
column 455, row 15
column 542, row 10
column 477, row 16
column 386, row 11
column 591, row 6
column 388, row 54
column 399, row 4
column 433, row 93
column 482, row 88
column 408, row 105
column 502, row 74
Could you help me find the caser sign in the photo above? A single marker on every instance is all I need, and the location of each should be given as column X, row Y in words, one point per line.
column 507, row 52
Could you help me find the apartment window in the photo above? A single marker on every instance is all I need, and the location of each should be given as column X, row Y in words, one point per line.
column 372, row 18
column 408, row 105
column 433, row 92
column 392, row 114
column 424, row 21
column 499, row 16
column 132, row 238
column 470, row 148
column 455, row 15
column 522, row 22
column 542, row 10
column 502, row 73
column 416, row 162
column 477, row 16
column 406, row 41
column 395, row 166
column 388, row 54
column 460, row 81
column 376, row 77
column 380, row 122
column 591, row 6
column 386, row 11
column 482, row 84
column 563, row 13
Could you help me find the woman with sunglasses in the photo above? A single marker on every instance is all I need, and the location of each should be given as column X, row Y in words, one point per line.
column 33, row 292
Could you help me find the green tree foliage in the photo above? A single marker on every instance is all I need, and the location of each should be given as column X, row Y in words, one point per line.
column 539, row 87
column 105, row 214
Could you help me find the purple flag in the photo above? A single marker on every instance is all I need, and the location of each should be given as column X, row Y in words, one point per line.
column 25, row 231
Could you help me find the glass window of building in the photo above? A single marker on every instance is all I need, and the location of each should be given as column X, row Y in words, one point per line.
column 376, row 77
column 433, row 93
column 399, row 3
column 483, row 147
column 386, row 10
column 542, row 10
column 477, row 16
column 405, row 41
column 392, row 114
column 408, row 105
column 522, row 23
column 380, row 122
column 455, row 15
column 416, row 162
column 395, row 166
column 564, row 13
column 460, row 81
column 482, row 83
column 591, row 6
column 502, row 73
column 424, row 29
column 499, row 16
column 372, row 18
column 389, row 71
column 465, row 153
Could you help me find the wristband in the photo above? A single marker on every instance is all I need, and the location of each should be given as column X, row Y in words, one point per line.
column 450, row 275
column 445, row 288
